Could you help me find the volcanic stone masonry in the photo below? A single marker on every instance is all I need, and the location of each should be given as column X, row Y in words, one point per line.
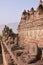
column 27, row 54
column 9, row 36
column 24, row 46
column 30, row 28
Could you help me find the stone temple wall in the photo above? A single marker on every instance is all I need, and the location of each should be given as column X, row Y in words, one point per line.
column 9, row 37
column 25, row 44
column 30, row 28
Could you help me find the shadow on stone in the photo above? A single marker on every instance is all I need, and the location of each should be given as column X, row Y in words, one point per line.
column 39, row 54
column 38, row 57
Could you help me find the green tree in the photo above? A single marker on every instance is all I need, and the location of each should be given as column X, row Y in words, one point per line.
column 0, row 37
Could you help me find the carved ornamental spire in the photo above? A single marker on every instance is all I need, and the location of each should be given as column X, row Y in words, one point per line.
column 40, row 0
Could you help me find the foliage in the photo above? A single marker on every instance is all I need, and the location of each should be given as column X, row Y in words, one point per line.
column 0, row 37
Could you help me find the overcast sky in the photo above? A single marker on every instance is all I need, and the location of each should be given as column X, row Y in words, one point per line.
column 11, row 10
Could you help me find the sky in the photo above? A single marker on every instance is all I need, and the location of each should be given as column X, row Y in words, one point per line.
column 11, row 10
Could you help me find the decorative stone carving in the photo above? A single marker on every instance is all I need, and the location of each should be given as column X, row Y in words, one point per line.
column 8, row 36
